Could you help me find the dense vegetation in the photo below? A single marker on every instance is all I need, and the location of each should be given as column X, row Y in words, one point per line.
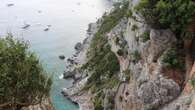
column 173, row 14
column 172, row 59
column 22, row 78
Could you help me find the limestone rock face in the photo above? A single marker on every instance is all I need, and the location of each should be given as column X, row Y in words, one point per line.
column 157, row 92
column 181, row 103
column 147, row 88
column 160, row 40
column 192, row 106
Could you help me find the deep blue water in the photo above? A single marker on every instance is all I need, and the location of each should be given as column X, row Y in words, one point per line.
column 69, row 20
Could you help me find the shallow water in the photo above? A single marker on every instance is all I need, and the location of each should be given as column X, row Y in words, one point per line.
column 67, row 21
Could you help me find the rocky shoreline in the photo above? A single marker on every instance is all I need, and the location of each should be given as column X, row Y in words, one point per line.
column 74, row 93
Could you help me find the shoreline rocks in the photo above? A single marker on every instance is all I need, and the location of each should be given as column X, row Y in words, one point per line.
column 78, row 46
column 74, row 94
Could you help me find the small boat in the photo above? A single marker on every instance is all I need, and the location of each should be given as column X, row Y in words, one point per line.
column 39, row 11
column 26, row 26
column 10, row 4
column 46, row 29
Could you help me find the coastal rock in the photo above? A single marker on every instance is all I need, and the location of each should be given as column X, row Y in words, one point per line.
column 71, row 61
column 69, row 74
column 78, row 46
column 62, row 57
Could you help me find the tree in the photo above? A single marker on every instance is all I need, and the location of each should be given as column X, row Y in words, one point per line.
column 173, row 14
column 23, row 81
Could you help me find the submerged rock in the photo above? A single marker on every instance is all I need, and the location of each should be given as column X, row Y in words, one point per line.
column 62, row 57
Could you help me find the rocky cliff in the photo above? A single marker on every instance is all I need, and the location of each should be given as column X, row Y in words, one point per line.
column 146, row 80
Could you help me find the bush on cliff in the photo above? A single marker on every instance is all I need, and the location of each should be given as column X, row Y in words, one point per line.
column 172, row 59
column 173, row 14
column 22, row 78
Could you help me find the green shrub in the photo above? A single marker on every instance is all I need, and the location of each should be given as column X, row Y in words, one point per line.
column 134, row 27
column 111, row 99
column 23, row 81
column 97, row 101
column 192, row 81
column 135, row 56
column 111, row 20
column 127, row 73
column 98, row 105
column 145, row 36
column 171, row 58
column 129, row 13
column 173, row 14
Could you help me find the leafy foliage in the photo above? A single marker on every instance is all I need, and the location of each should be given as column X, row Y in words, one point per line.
column 134, row 27
column 145, row 36
column 22, row 78
column 127, row 74
column 97, row 101
column 129, row 13
column 173, row 14
column 135, row 56
column 171, row 58
column 111, row 20
column 192, row 81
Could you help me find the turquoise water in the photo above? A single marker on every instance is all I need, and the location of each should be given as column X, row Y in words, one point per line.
column 69, row 20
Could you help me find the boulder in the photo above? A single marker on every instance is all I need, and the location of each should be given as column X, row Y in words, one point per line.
column 160, row 41
column 157, row 92
column 69, row 74
column 62, row 57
